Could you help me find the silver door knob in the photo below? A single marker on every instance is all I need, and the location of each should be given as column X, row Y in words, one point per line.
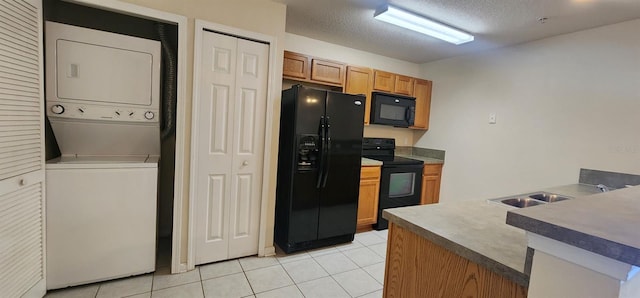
column 245, row 163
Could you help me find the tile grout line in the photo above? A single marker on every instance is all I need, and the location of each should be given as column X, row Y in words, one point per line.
column 201, row 283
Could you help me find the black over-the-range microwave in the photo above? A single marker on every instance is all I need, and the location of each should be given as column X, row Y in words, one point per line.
column 391, row 109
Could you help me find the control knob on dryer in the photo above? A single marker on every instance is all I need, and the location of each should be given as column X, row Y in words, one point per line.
column 57, row 109
column 149, row 115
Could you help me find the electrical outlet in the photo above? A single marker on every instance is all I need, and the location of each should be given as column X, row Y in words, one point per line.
column 492, row 118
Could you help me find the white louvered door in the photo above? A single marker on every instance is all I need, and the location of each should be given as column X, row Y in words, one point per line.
column 228, row 146
column 21, row 150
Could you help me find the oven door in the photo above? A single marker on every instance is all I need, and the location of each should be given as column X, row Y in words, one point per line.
column 400, row 185
column 394, row 110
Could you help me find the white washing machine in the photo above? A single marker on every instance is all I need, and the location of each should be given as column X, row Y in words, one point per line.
column 102, row 94
column 101, row 218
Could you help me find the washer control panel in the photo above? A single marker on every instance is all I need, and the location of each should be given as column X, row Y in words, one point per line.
column 97, row 112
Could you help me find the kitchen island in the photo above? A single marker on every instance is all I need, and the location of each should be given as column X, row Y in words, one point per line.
column 459, row 249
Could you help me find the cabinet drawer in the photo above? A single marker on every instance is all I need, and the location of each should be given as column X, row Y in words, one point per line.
column 432, row 169
column 370, row 172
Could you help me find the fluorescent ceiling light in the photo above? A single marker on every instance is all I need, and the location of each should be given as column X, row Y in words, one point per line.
column 403, row 18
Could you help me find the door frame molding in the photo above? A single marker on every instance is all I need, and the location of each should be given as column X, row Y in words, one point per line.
column 181, row 126
column 200, row 27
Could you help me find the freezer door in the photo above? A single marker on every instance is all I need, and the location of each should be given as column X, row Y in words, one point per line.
column 341, row 181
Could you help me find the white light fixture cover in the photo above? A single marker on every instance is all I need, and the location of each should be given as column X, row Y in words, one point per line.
column 405, row 19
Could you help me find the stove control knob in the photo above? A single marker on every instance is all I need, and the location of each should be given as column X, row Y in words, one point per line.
column 149, row 115
column 57, row 109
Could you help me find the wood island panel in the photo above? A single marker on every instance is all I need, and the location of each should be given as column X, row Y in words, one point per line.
column 416, row 267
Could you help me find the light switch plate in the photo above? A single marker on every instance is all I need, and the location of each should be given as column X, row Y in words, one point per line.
column 492, row 118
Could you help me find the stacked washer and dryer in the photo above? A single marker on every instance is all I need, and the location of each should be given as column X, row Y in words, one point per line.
column 103, row 99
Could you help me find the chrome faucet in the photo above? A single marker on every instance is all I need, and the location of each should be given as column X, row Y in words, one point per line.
column 602, row 187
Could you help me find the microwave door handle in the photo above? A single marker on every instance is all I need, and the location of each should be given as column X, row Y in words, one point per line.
column 407, row 114
column 328, row 154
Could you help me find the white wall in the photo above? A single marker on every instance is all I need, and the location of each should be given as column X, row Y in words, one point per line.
column 321, row 49
column 562, row 103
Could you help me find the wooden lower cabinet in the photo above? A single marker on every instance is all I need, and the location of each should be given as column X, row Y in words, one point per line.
column 417, row 267
column 368, row 200
column 431, row 177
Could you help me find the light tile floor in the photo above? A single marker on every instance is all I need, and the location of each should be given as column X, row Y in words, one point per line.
column 354, row 269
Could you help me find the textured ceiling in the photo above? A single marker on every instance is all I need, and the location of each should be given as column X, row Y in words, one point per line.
column 495, row 23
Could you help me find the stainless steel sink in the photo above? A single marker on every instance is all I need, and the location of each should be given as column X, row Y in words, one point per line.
column 521, row 202
column 548, row 197
column 530, row 199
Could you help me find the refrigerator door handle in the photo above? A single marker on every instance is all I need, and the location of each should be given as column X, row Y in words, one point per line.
column 328, row 156
column 323, row 155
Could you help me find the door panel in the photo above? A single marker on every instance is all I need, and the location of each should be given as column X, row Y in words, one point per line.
column 215, row 208
column 231, row 118
column 22, row 205
column 249, row 126
column 213, row 145
column 338, row 207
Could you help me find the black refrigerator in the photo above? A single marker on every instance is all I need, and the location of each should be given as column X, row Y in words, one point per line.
column 318, row 168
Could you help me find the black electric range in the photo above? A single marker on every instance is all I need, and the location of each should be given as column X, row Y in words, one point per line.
column 400, row 180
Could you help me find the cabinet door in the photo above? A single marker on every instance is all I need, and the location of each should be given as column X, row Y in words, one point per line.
column 327, row 71
column 383, row 81
column 403, row 85
column 431, row 176
column 368, row 199
column 360, row 81
column 22, row 225
column 295, row 65
column 422, row 93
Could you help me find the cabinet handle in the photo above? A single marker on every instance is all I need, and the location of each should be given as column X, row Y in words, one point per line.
column 23, row 182
column 245, row 163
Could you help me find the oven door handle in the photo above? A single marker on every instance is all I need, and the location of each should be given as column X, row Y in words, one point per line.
column 328, row 154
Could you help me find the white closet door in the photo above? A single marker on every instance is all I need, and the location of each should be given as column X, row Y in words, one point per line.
column 21, row 150
column 227, row 146
column 248, row 149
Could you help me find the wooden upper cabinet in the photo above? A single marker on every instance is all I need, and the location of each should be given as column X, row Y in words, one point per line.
column 383, row 81
column 306, row 68
column 360, row 81
column 296, row 66
column 422, row 93
column 327, row 71
column 403, row 85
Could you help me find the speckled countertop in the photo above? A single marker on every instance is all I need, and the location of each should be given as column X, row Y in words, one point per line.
column 427, row 160
column 366, row 162
column 605, row 223
column 476, row 230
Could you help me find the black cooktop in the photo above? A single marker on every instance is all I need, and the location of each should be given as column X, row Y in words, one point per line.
column 383, row 149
